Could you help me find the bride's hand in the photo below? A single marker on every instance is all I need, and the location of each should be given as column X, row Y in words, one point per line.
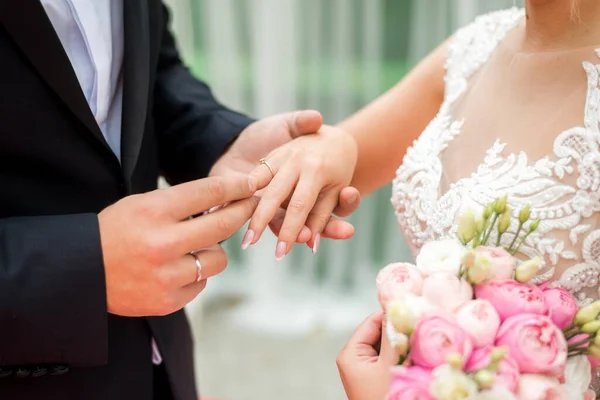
column 305, row 176
column 364, row 370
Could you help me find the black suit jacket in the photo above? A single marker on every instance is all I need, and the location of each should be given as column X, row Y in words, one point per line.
column 57, row 340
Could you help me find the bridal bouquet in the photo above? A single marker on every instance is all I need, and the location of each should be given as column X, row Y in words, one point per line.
column 468, row 325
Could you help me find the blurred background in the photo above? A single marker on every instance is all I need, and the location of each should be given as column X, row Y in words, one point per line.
column 267, row 330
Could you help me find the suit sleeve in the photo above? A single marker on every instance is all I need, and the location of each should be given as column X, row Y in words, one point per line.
column 193, row 128
column 52, row 291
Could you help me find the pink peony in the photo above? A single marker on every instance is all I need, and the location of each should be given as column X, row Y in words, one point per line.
column 507, row 374
column 535, row 343
column 502, row 264
column 539, row 387
column 511, row 298
column 397, row 279
column 447, row 291
column 436, row 337
column 563, row 306
column 410, row 383
column 480, row 320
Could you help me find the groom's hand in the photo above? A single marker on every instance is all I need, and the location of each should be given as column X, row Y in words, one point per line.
column 147, row 240
column 264, row 136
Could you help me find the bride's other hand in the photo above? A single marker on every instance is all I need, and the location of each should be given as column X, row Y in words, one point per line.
column 364, row 363
column 305, row 176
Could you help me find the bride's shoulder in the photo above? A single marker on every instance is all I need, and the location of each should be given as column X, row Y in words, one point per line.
column 472, row 44
column 493, row 22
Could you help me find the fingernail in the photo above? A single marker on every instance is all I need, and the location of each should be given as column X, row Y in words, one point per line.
column 252, row 183
column 215, row 208
column 352, row 200
column 247, row 240
column 316, row 243
column 280, row 251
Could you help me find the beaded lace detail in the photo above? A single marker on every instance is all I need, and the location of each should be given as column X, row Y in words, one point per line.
column 562, row 188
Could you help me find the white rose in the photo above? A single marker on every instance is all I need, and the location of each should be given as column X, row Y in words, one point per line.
column 578, row 376
column 451, row 384
column 441, row 256
column 404, row 312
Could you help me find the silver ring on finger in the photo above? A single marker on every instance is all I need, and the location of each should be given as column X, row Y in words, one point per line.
column 198, row 266
column 263, row 161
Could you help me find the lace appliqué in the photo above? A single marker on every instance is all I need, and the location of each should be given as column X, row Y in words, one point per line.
column 563, row 189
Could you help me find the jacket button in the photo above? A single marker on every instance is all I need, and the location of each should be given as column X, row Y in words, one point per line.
column 59, row 370
column 39, row 371
column 5, row 372
column 22, row 372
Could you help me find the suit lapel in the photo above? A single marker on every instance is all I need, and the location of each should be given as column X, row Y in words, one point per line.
column 27, row 23
column 136, row 76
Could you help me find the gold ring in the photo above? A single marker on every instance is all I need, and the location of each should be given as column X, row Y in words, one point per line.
column 198, row 266
column 263, row 161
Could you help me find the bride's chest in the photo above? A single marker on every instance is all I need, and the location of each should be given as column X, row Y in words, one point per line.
column 541, row 151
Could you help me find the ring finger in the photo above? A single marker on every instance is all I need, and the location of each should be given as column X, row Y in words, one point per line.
column 185, row 270
column 267, row 168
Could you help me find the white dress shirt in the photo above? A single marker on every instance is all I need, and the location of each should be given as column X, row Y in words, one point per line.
column 91, row 32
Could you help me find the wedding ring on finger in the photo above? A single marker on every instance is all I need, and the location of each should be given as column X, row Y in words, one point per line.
column 198, row 266
column 263, row 161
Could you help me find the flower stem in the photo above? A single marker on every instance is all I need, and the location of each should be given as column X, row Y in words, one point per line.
column 516, row 237
column 486, row 237
column 520, row 243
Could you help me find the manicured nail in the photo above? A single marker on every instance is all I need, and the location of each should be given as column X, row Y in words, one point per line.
column 280, row 251
column 215, row 208
column 316, row 243
column 247, row 240
column 253, row 184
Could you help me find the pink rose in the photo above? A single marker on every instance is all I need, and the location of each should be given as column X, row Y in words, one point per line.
column 507, row 374
column 410, row 383
column 436, row 337
column 502, row 264
column 563, row 306
column 511, row 298
column 397, row 279
column 539, row 387
column 447, row 291
column 535, row 343
column 479, row 319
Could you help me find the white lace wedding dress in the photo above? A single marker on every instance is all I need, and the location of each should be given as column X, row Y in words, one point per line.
column 526, row 125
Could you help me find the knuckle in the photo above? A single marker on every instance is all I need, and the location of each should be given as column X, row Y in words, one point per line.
column 297, row 205
column 156, row 248
column 164, row 280
column 153, row 207
column 313, row 162
column 216, row 189
column 221, row 262
column 321, row 219
column 224, row 225
column 272, row 190
column 340, row 360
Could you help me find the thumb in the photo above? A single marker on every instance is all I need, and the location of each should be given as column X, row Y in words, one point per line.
column 303, row 122
column 366, row 338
